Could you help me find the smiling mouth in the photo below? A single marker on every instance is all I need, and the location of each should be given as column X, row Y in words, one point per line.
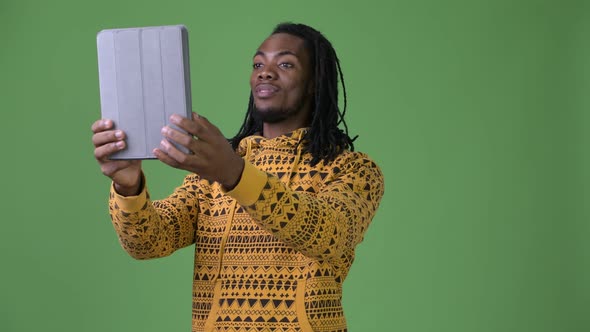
column 265, row 90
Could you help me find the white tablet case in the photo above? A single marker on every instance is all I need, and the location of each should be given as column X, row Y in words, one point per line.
column 144, row 78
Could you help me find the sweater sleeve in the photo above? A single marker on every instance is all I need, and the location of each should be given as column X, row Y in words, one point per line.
column 323, row 224
column 151, row 229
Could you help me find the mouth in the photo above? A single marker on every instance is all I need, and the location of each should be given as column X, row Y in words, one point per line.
column 265, row 90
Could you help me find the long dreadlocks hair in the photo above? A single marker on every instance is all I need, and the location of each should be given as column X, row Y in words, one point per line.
column 324, row 139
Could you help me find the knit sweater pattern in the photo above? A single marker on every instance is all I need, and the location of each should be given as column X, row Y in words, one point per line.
column 272, row 253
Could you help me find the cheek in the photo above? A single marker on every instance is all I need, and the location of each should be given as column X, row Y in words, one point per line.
column 298, row 91
column 252, row 81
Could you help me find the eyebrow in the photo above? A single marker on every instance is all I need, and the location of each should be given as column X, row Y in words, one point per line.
column 278, row 54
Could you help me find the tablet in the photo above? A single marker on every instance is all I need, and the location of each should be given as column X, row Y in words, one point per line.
column 144, row 78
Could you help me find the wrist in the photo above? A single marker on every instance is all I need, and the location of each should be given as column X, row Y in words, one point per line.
column 132, row 190
column 236, row 175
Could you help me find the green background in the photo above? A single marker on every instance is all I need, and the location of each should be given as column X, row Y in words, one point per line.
column 477, row 112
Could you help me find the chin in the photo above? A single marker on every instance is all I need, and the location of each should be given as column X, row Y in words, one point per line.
column 269, row 115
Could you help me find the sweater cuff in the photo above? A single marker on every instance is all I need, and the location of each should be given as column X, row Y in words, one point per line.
column 130, row 204
column 247, row 191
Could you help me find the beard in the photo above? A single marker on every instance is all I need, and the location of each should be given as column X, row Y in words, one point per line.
column 271, row 115
column 275, row 114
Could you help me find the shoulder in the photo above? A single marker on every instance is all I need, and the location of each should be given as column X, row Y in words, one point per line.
column 355, row 172
column 354, row 165
column 353, row 160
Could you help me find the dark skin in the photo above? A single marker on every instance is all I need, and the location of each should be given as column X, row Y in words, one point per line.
column 280, row 83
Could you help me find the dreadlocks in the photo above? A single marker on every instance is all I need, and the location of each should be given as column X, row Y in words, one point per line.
column 324, row 140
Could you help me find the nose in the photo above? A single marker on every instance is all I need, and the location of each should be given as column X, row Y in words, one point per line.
column 266, row 74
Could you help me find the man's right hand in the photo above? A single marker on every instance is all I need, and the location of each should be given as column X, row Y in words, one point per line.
column 126, row 174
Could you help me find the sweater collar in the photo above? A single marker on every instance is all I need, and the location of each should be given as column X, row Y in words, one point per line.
column 288, row 140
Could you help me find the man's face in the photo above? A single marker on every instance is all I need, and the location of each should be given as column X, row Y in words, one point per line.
column 281, row 80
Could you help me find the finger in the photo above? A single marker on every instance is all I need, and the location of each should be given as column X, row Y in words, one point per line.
column 188, row 125
column 102, row 125
column 179, row 156
column 108, row 136
column 194, row 126
column 205, row 123
column 166, row 159
column 178, row 137
column 195, row 146
column 102, row 153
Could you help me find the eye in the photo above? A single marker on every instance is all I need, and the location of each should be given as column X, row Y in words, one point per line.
column 286, row 65
column 257, row 65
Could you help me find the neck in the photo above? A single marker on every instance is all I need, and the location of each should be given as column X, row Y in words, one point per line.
column 300, row 120
column 272, row 130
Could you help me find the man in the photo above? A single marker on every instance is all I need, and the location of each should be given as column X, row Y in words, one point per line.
column 276, row 214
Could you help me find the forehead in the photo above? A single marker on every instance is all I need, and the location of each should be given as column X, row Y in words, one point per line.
column 282, row 42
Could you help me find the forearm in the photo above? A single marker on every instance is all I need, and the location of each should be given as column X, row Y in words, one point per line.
column 151, row 229
column 321, row 225
column 301, row 220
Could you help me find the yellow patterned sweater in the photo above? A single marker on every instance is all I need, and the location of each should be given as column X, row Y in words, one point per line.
column 271, row 254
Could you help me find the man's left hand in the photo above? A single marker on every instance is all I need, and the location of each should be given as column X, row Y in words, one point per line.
column 211, row 157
